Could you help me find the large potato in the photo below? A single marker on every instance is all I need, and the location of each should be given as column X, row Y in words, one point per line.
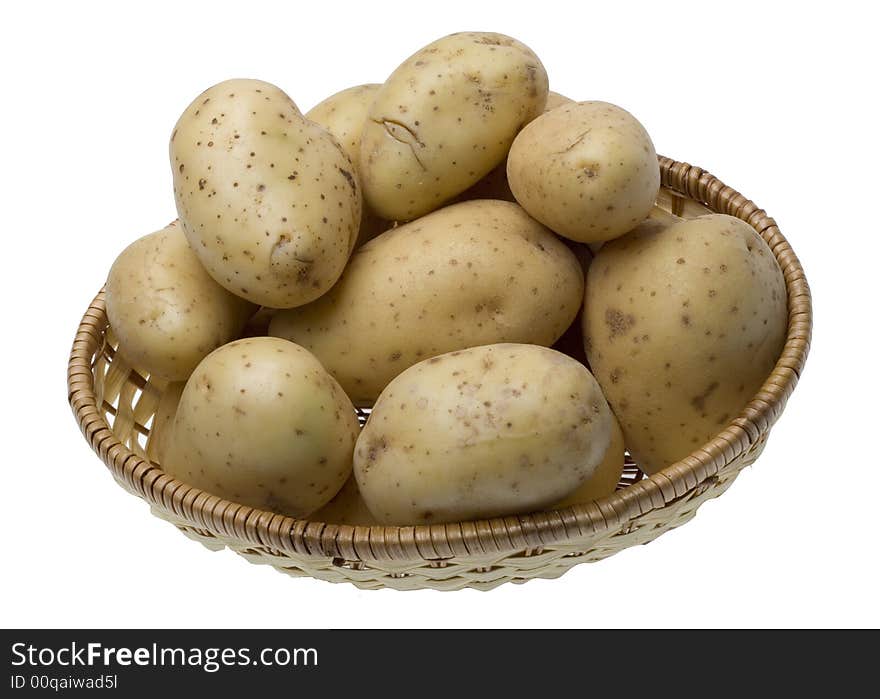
column 166, row 310
column 268, row 200
column 605, row 478
column 444, row 118
column 482, row 432
column 682, row 324
column 344, row 114
column 471, row 274
column 260, row 422
column 587, row 170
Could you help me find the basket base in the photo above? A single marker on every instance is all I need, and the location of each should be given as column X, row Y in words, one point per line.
column 475, row 572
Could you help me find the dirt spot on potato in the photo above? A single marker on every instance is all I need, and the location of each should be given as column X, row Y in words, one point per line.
column 349, row 178
column 699, row 402
column 618, row 323
column 375, row 446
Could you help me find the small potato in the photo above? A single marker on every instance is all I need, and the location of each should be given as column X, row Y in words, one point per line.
column 488, row 431
column 554, row 100
column 470, row 274
column 586, row 170
column 261, row 423
column 165, row 309
column 348, row 507
column 444, row 118
column 606, row 476
column 682, row 325
column 344, row 115
column 268, row 200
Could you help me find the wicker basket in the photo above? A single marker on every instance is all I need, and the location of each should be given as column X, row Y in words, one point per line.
column 114, row 405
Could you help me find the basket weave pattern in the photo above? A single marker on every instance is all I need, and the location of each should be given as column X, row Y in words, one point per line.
column 114, row 404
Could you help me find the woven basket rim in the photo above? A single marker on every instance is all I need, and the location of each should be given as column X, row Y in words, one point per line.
column 501, row 535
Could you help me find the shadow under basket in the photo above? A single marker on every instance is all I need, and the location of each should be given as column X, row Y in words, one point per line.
column 114, row 405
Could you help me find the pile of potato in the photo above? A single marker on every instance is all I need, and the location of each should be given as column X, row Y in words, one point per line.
column 421, row 247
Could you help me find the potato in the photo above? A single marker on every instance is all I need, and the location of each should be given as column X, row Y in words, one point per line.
column 165, row 309
column 554, row 100
column 606, row 476
column 587, row 170
column 348, row 507
column 481, row 432
column 268, row 200
column 261, row 423
column 470, row 274
column 495, row 185
column 682, row 324
column 444, row 118
column 344, row 115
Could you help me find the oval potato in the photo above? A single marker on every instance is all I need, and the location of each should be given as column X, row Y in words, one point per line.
column 261, row 423
column 470, row 274
column 268, row 200
column 482, row 432
column 586, row 170
column 682, row 325
column 444, row 118
column 165, row 309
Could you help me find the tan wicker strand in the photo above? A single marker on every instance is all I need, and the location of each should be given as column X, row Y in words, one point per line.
column 114, row 403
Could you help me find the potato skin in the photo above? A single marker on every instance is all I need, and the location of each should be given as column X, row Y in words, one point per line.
column 554, row 100
column 606, row 476
column 444, row 118
column 470, row 274
column 344, row 114
column 482, row 432
column 268, row 200
column 586, row 170
column 261, row 423
column 682, row 325
column 165, row 309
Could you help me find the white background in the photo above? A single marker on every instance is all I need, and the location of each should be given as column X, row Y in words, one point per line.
column 780, row 103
